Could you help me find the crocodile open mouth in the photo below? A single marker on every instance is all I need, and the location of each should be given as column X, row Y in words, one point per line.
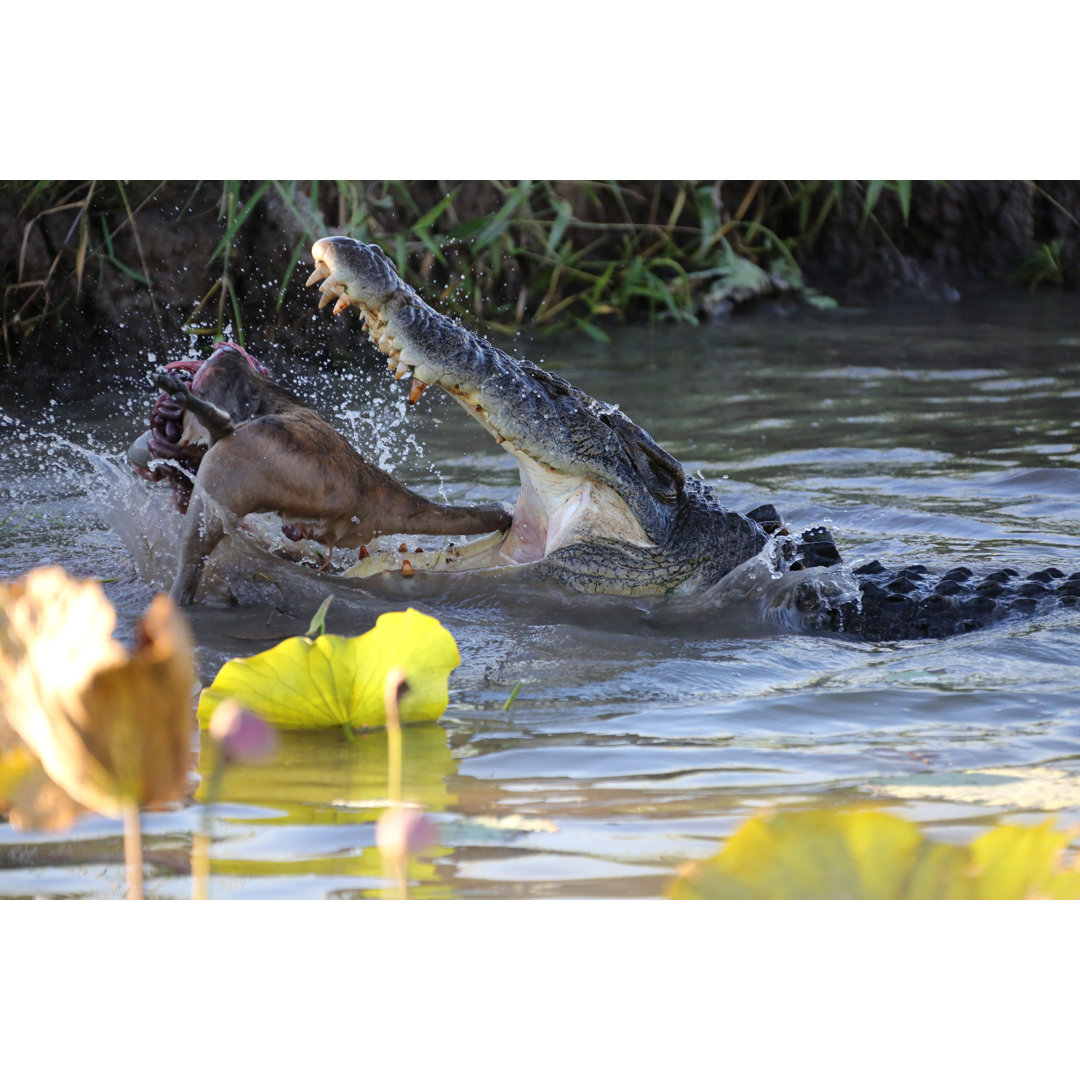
column 376, row 325
column 555, row 507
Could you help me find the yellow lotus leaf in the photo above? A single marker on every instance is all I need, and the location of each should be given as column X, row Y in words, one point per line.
column 109, row 728
column 868, row 855
column 818, row 854
column 1020, row 862
column 334, row 681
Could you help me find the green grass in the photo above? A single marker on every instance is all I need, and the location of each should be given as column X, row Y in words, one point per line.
column 1042, row 266
column 537, row 253
column 28, row 300
column 551, row 255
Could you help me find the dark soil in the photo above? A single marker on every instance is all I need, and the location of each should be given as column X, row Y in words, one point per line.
column 959, row 236
column 113, row 321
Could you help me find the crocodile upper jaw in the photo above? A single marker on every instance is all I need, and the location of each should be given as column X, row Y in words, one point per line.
column 554, row 507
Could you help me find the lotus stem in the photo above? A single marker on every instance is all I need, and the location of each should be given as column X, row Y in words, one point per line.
column 394, row 682
column 402, row 878
column 133, row 860
column 394, row 686
column 200, row 841
column 200, row 863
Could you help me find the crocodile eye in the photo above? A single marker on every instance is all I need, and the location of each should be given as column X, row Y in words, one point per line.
column 663, row 474
column 665, row 485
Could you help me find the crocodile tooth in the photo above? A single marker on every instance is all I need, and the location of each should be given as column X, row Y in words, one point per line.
column 401, row 371
column 383, row 343
column 415, row 390
column 321, row 270
column 342, row 304
column 331, row 284
column 326, row 298
column 391, row 364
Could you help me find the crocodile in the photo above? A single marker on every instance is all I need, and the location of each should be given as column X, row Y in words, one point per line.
column 604, row 509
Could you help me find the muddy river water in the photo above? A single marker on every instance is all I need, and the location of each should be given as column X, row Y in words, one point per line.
column 639, row 738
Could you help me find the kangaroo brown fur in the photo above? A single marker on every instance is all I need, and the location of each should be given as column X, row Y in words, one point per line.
column 269, row 452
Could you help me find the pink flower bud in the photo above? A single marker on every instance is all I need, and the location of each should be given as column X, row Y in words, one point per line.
column 403, row 831
column 244, row 738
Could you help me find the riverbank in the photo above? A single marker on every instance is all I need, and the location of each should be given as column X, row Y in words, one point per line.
column 100, row 271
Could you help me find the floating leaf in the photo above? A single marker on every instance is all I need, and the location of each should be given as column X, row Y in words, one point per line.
column 868, row 855
column 816, row 854
column 1016, row 862
column 336, row 681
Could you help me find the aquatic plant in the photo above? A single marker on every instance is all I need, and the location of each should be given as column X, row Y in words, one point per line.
column 241, row 736
column 869, row 855
column 322, row 680
column 85, row 725
column 332, row 681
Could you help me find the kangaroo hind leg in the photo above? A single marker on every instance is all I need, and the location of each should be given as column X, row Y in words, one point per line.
column 203, row 529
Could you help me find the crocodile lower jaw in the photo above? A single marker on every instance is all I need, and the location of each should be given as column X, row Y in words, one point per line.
column 553, row 511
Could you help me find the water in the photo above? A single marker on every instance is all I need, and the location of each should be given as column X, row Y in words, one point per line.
column 639, row 738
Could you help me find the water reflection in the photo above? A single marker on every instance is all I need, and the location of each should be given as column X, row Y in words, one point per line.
column 312, row 808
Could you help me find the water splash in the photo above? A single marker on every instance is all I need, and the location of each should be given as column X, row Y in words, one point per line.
column 763, row 590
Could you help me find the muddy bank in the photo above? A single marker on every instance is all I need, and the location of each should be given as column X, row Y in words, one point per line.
column 959, row 236
column 143, row 278
column 96, row 277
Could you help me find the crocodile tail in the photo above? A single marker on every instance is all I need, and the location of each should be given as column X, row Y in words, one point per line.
column 915, row 603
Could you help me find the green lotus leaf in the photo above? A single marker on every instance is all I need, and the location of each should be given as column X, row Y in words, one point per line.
column 868, row 855
column 334, row 681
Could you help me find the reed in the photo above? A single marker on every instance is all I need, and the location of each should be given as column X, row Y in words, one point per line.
column 542, row 254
